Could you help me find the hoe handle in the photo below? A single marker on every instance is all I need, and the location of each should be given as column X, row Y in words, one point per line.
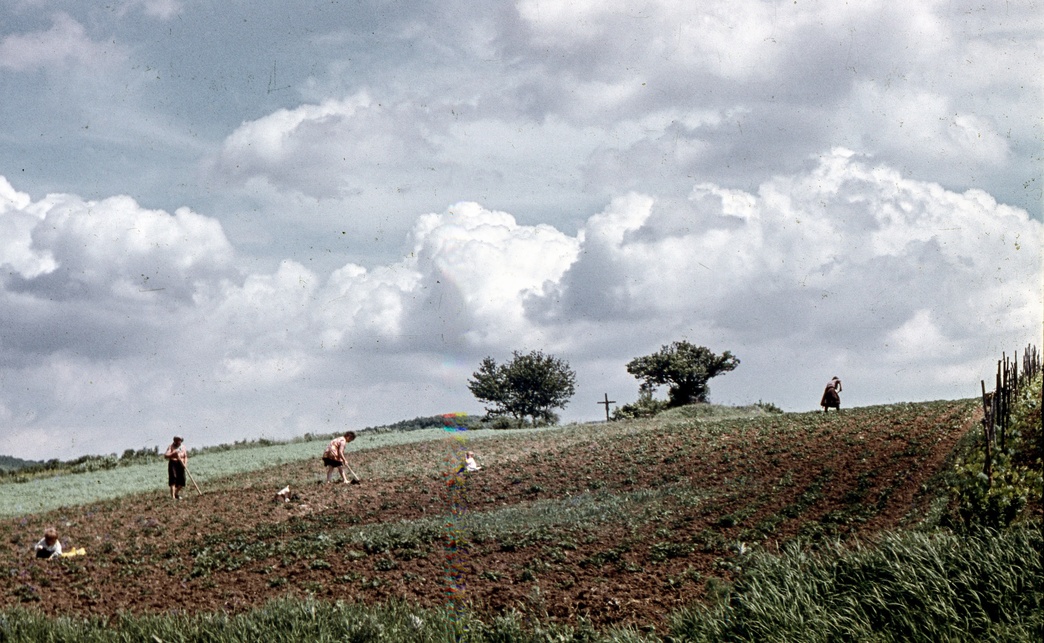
column 193, row 481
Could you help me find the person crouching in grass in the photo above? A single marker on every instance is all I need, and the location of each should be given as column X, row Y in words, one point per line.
column 333, row 457
column 177, row 465
column 49, row 546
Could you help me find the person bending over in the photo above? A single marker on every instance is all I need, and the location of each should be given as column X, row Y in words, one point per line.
column 831, row 395
column 333, row 457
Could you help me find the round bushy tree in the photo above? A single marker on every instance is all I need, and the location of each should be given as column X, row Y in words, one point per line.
column 530, row 385
column 684, row 369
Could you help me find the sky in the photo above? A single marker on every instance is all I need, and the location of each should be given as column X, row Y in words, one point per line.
column 234, row 220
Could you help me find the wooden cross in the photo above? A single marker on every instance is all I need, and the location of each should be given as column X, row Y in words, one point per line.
column 607, row 402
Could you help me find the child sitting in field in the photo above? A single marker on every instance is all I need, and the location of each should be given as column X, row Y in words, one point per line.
column 49, row 546
column 469, row 463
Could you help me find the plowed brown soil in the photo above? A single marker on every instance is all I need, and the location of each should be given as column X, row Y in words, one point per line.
column 669, row 505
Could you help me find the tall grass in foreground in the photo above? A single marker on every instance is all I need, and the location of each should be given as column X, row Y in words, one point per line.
column 305, row 620
column 912, row 586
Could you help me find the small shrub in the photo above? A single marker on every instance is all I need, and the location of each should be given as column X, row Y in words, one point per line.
column 501, row 422
column 646, row 407
column 768, row 407
column 728, row 520
column 998, row 504
column 661, row 551
column 385, row 564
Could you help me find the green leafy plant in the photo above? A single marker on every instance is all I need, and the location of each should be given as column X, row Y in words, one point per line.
column 999, row 499
column 647, row 406
column 768, row 407
column 997, row 502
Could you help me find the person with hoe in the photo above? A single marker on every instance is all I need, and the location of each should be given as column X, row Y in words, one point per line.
column 177, row 467
column 333, row 457
column 831, row 398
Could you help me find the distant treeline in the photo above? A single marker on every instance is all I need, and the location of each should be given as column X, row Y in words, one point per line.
column 431, row 422
column 9, row 463
column 17, row 470
column 26, row 470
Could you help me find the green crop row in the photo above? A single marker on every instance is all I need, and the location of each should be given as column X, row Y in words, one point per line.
column 511, row 528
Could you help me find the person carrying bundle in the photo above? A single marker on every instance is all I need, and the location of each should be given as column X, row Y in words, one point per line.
column 333, row 457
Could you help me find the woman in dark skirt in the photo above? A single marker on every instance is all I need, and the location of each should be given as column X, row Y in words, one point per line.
column 333, row 457
column 177, row 465
column 831, row 398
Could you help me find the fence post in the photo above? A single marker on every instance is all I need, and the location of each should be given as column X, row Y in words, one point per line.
column 997, row 405
column 987, row 433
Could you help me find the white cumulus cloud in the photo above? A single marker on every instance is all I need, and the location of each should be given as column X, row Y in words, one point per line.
column 126, row 322
column 65, row 43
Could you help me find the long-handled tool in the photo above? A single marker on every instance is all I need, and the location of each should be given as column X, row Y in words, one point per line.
column 357, row 480
column 193, row 481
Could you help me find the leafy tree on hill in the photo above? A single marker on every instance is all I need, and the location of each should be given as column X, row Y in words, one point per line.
column 530, row 385
column 684, row 369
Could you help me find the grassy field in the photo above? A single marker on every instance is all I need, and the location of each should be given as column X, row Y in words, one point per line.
column 702, row 524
